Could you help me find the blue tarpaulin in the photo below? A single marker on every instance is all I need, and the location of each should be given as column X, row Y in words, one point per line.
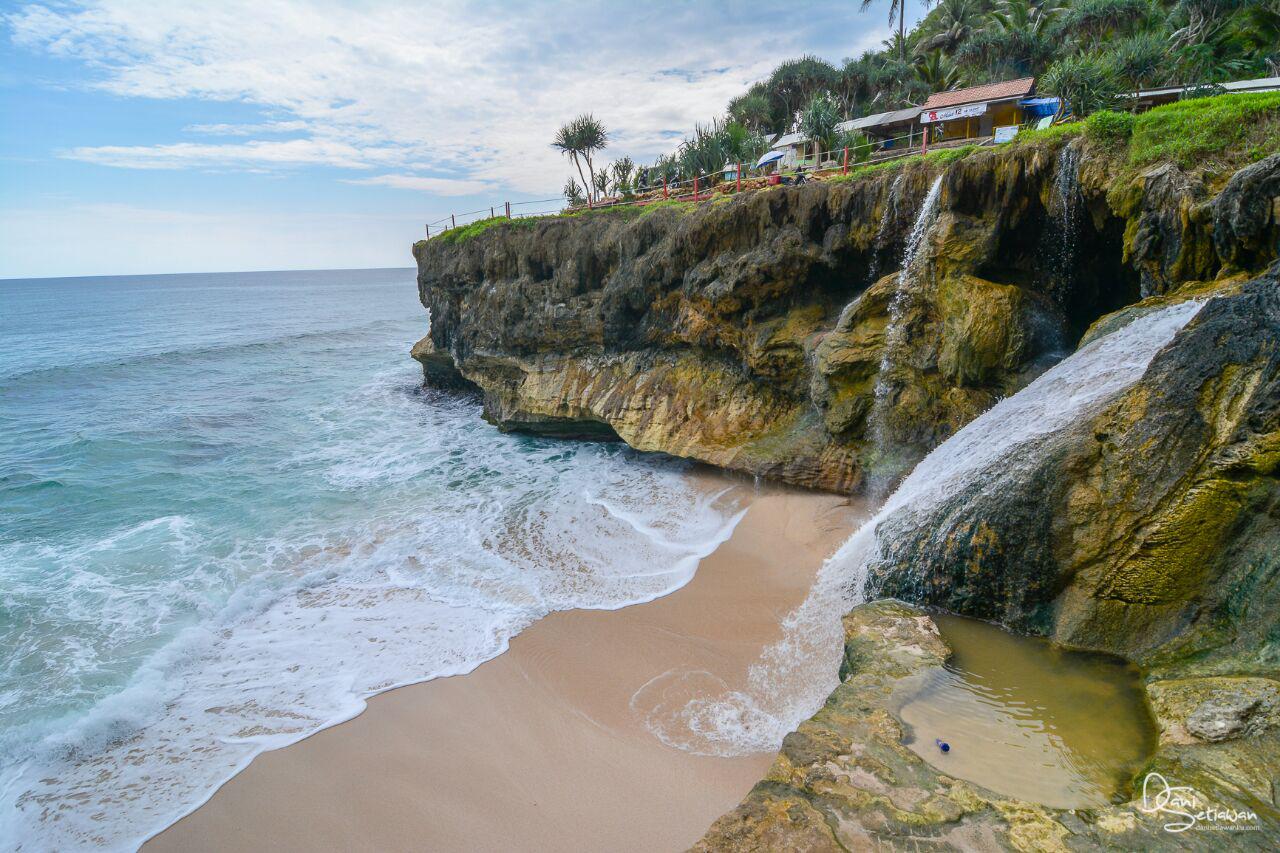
column 1039, row 107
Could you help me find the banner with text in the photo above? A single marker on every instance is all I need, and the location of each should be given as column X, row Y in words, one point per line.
column 966, row 111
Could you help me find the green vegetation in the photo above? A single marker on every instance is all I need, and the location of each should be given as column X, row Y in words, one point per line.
column 1048, row 134
column 1091, row 51
column 940, row 159
column 579, row 140
column 1109, row 128
column 472, row 229
column 1239, row 127
column 667, row 204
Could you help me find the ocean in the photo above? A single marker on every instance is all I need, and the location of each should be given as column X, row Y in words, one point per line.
column 229, row 514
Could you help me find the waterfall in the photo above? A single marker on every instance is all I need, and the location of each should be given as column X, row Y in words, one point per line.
column 795, row 675
column 1063, row 241
column 895, row 338
column 888, row 216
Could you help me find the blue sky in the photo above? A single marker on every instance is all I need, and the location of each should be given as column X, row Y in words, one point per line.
column 150, row 136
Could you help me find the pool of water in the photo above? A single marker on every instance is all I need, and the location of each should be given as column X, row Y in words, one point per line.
column 1029, row 719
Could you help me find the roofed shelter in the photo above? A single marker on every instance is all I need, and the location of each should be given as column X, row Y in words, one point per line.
column 975, row 112
column 896, row 128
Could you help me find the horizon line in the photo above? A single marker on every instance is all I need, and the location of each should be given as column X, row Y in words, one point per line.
column 207, row 272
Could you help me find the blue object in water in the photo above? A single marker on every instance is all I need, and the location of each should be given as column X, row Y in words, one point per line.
column 942, row 744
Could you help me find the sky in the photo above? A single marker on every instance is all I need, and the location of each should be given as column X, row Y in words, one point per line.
column 159, row 136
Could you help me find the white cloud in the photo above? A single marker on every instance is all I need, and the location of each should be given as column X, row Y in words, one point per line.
column 293, row 152
column 474, row 91
column 246, row 129
column 436, row 186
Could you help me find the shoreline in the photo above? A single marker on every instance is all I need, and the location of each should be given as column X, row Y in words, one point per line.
column 539, row 748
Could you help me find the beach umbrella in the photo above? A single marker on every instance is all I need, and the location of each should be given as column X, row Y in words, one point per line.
column 769, row 157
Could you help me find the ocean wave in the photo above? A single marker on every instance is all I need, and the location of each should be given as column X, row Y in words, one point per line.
column 294, row 632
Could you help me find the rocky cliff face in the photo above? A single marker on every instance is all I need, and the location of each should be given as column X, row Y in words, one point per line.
column 774, row 333
column 1151, row 529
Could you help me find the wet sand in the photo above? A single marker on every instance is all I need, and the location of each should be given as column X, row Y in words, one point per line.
column 539, row 749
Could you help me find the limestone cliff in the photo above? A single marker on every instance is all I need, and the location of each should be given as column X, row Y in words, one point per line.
column 750, row 331
column 775, row 333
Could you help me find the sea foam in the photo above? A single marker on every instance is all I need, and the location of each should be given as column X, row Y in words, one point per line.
column 251, row 539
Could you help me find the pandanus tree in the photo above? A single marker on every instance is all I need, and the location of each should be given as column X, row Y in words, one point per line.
column 572, row 192
column 793, row 83
column 752, row 111
column 818, row 121
column 579, row 140
column 1139, row 60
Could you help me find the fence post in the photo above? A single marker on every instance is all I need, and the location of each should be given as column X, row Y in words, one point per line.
column 664, row 187
column 508, row 210
column 924, row 141
column 428, row 231
column 454, row 220
column 695, row 187
column 491, row 216
column 739, row 189
column 844, row 169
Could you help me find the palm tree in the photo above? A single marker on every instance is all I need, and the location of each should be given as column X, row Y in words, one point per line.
column 955, row 20
column 1020, row 30
column 592, row 137
column 937, row 71
column 898, row 9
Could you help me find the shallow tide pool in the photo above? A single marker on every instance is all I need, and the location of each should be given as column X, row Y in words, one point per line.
column 1029, row 719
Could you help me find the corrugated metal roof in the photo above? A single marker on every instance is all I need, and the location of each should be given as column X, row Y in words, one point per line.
column 891, row 117
column 975, row 94
column 1260, row 84
column 789, row 139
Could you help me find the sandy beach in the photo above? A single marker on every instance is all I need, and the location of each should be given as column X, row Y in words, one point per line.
column 540, row 748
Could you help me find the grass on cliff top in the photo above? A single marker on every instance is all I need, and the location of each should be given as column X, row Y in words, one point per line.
column 1230, row 129
column 1050, row 134
column 472, row 229
column 941, row 158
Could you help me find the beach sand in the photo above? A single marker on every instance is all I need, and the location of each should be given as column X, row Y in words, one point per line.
column 540, row 749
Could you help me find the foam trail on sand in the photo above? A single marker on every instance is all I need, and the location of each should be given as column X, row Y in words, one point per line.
column 226, row 545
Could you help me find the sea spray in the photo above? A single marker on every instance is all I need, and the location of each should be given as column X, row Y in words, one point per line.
column 883, row 472
column 795, row 675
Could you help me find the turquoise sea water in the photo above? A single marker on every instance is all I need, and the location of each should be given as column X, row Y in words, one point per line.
column 229, row 513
